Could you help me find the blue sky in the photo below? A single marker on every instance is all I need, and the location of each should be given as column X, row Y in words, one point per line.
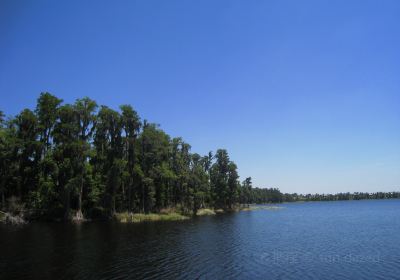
column 305, row 95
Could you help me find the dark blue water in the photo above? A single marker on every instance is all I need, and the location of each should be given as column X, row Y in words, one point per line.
column 320, row 240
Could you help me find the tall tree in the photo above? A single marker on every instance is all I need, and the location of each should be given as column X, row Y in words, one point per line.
column 85, row 115
column 219, row 178
column 199, row 182
column 108, row 140
column 67, row 155
column 233, row 185
column 131, row 125
column 246, row 191
column 153, row 154
column 46, row 111
column 27, row 151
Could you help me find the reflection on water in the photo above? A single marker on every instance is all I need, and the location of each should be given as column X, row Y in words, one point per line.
column 346, row 240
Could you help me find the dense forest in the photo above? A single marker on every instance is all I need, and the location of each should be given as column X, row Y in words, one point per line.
column 84, row 160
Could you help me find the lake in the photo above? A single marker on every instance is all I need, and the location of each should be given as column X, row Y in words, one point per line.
column 313, row 240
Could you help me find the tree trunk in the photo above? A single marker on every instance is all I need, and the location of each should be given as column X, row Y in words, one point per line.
column 130, row 195
column 67, row 207
column 123, row 192
column 142, row 197
column 113, row 205
column 79, row 215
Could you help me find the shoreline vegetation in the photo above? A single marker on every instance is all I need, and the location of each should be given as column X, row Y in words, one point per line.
column 81, row 162
column 176, row 216
column 17, row 219
column 163, row 215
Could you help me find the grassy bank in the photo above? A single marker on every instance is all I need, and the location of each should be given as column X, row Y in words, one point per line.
column 173, row 215
column 170, row 214
column 126, row 217
column 151, row 217
column 205, row 212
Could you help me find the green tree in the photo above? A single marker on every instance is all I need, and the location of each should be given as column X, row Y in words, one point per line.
column 131, row 125
column 153, row 154
column 85, row 115
column 46, row 111
column 27, row 152
column 245, row 193
column 219, row 178
column 109, row 147
column 199, row 182
column 233, row 185
column 67, row 154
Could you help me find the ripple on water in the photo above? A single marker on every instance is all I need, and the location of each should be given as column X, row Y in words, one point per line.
column 338, row 240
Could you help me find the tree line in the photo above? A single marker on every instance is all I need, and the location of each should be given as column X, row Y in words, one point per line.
column 64, row 160
column 340, row 196
column 82, row 159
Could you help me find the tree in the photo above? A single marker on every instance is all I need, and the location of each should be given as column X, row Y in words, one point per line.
column 27, row 151
column 46, row 111
column 233, row 185
column 131, row 126
column 109, row 147
column 219, row 178
column 245, row 192
column 153, row 152
column 85, row 115
column 68, row 155
column 199, row 182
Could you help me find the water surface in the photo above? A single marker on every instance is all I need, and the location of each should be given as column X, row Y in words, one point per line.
column 316, row 240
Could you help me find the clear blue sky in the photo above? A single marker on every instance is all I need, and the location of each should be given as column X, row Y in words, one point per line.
column 305, row 95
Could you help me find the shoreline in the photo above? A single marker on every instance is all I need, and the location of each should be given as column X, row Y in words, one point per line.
column 8, row 218
column 125, row 217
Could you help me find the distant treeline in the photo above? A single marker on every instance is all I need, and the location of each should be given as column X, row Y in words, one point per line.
column 339, row 196
column 75, row 160
column 261, row 195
